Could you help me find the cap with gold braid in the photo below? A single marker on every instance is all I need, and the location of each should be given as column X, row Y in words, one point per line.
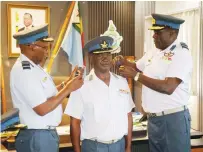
column 34, row 34
column 101, row 44
column 160, row 21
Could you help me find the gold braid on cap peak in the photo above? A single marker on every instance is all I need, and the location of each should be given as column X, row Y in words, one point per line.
column 49, row 39
column 153, row 21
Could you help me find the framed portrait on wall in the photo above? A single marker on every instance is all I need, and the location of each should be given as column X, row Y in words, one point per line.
column 22, row 17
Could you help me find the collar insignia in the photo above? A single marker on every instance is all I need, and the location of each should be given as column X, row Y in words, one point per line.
column 44, row 79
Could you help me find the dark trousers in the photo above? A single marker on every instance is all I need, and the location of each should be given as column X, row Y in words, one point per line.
column 94, row 146
column 170, row 133
column 36, row 140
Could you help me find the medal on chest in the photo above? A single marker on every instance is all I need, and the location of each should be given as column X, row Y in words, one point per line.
column 168, row 55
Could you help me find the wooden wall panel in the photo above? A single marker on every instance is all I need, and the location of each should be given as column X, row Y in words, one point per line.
column 122, row 14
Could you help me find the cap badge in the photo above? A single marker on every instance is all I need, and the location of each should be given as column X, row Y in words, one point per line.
column 104, row 45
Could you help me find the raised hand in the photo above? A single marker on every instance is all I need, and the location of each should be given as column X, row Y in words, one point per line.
column 127, row 72
column 80, row 71
column 76, row 71
column 119, row 60
column 75, row 83
column 73, row 73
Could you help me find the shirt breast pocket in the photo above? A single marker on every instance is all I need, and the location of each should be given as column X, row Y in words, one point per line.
column 121, row 102
column 161, row 69
column 157, row 69
column 49, row 88
column 45, row 84
column 101, row 112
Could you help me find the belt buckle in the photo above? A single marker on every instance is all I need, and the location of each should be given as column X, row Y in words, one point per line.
column 111, row 141
column 152, row 114
column 51, row 127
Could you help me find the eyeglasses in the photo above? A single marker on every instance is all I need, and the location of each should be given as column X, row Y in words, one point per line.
column 158, row 32
column 43, row 47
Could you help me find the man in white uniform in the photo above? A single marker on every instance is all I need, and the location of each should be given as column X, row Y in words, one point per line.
column 165, row 74
column 27, row 20
column 35, row 94
column 101, row 109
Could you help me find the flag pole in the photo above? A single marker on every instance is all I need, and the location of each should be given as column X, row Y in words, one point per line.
column 3, row 94
column 60, row 37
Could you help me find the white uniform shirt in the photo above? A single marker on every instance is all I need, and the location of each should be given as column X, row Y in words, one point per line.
column 103, row 110
column 31, row 87
column 159, row 65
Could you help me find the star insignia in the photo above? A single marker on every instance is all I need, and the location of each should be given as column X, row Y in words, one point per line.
column 104, row 45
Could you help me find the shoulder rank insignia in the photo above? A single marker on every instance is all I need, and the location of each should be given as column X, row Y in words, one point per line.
column 26, row 65
column 184, row 45
column 173, row 47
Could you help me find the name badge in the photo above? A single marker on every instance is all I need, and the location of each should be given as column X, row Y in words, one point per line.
column 121, row 91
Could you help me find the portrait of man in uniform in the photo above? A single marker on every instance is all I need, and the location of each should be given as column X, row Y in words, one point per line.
column 28, row 22
column 21, row 17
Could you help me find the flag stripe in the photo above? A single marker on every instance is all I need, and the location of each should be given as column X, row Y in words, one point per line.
column 61, row 36
column 77, row 27
column 73, row 41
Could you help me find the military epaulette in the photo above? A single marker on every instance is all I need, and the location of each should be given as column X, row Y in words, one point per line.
column 173, row 47
column 26, row 65
column 115, row 75
column 184, row 45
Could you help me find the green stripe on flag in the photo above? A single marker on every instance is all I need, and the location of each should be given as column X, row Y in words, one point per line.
column 77, row 27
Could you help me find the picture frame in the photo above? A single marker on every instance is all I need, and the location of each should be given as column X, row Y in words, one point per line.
column 16, row 22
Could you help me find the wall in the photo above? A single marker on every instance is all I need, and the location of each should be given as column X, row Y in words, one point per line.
column 58, row 11
column 174, row 6
column 122, row 15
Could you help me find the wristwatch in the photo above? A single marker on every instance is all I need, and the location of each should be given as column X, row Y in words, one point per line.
column 137, row 76
column 62, row 84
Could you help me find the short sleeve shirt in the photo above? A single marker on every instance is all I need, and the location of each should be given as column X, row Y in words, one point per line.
column 31, row 86
column 174, row 61
column 103, row 110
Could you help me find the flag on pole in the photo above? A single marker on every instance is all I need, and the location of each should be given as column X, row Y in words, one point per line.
column 73, row 40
